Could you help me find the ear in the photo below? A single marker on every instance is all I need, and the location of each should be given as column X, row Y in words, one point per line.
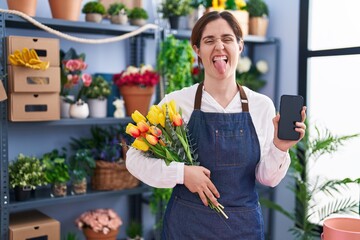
column 196, row 50
column 241, row 45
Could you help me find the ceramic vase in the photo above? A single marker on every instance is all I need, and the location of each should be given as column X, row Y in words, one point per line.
column 97, row 107
column 93, row 17
column 65, row 9
column 79, row 110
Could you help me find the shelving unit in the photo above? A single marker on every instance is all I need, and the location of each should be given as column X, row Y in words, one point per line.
column 42, row 197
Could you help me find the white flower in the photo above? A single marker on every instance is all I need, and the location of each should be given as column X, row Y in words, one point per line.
column 262, row 66
column 130, row 70
column 145, row 68
column 244, row 64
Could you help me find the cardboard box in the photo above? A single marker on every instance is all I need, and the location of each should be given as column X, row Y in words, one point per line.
column 47, row 48
column 128, row 3
column 33, row 225
column 22, row 79
column 27, row 107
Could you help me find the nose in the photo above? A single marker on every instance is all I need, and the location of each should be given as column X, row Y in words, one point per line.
column 219, row 44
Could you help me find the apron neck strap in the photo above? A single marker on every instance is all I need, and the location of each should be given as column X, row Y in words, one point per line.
column 243, row 98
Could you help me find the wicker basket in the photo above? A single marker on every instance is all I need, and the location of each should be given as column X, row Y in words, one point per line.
column 112, row 176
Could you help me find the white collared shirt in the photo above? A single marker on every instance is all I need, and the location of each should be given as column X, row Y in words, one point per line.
column 273, row 163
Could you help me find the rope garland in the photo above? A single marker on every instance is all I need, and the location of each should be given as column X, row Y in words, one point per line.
column 78, row 39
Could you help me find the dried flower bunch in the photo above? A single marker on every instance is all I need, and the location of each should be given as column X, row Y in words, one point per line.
column 99, row 220
column 143, row 76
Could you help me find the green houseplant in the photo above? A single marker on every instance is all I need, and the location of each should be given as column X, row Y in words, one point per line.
column 56, row 172
column 307, row 208
column 97, row 94
column 173, row 9
column 175, row 61
column 93, row 11
column 134, row 231
column 25, row 173
column 259, row 14
column 138, row 16
column 118, row 13
column 81, row 166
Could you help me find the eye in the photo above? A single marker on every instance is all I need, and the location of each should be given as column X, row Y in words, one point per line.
column 227, row 39
column 209, row 41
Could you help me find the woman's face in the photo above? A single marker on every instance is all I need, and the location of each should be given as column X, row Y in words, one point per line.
column 219, row 50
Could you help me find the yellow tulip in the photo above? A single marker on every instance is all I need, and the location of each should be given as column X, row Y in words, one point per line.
column 137, row 116
column 140, row 145
column 155, row 131
column 152, row 139
column 132, row 130
column 153, row 114
column 143, row 126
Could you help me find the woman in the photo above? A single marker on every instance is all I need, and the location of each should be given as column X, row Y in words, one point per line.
column 235, row 131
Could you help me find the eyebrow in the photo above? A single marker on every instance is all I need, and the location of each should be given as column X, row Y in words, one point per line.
column 224, row 35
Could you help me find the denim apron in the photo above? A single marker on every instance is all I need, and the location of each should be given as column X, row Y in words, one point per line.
column 228, row 146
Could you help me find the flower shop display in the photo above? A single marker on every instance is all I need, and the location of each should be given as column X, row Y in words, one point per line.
column 249, row 75
column 138, row 16
column 97, row 93
column 25, row 174
column 72, row 80
column 99, row 224
column 94, row 11
column 163, row 134
column 118, row 13
column 259, row 17
column 81, row 166
column 56, row 172
column 136, row 86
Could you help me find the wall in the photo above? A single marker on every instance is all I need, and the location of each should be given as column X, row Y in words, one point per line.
column 284, row 24
column 284, row 21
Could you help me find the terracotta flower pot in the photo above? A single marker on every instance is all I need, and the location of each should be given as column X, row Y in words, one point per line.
column 26, row 6
column 136, row 98
column 65, row 9
column 91, row 235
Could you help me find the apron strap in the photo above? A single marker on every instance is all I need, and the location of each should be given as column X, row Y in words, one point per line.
column 243, row 98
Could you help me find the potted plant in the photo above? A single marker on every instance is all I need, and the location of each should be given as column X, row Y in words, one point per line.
column 99, row 224
column 26, row 6
column 173, row 9
column 175, row 62
column 309, row 213
column 93, row 11
column 81, row 166
column 136, row 86
column 96, row 95
column 238, row 9
column 56, row 172
column 138, row 16
column 134, row 231
column 118, row 13
column 259, row 17
column 25, row 174
column 72, row 80
column 248, row 74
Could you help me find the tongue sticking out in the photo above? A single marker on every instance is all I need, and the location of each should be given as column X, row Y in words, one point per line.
column 220, row 65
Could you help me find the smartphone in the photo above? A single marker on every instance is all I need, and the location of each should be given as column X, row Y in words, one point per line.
column 290, row 112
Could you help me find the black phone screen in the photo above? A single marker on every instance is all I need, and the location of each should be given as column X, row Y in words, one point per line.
column 290, row 112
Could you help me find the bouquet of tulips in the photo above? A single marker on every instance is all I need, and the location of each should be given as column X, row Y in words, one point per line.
column 163, row 134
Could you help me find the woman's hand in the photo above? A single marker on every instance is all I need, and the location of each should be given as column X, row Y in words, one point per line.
column 197, row 180
column 285, row 145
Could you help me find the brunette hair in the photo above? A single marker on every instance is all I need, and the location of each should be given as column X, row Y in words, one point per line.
column 200, row 25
